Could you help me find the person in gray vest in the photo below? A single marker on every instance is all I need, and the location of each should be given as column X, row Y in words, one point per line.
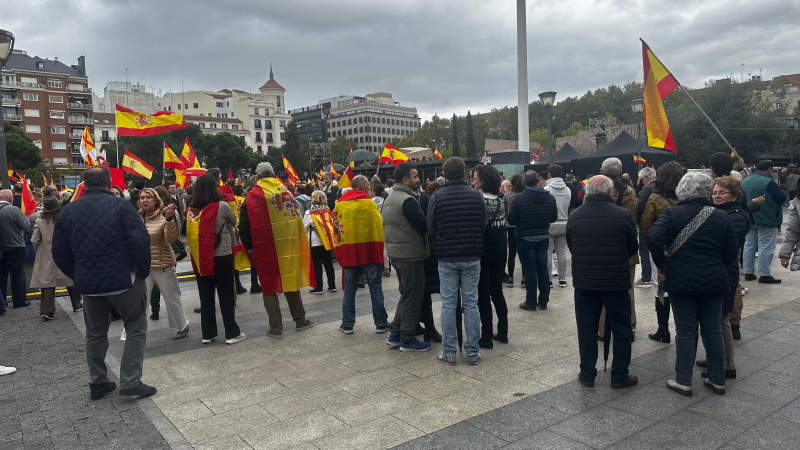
column 405, row 232
column 763, row 235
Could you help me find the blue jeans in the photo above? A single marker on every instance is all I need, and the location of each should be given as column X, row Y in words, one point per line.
column 761, row 239
column 533, row 256
column 688, row 310
column 373, row 274
column 452, row 277
column 12, row 262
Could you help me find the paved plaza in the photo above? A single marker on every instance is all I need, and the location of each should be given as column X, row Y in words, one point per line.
column 321, row 389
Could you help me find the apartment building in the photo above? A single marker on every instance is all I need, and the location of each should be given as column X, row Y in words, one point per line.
column 369, row 121
column 214, row 125
column 129, row 95
column 51, row 102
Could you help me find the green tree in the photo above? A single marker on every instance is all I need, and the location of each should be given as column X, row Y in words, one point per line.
column 472, row 149
column 21, row 153
column 456, row 149
column 539, row 136
column 573, row 129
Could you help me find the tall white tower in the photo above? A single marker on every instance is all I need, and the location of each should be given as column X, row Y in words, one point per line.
column 522, row 77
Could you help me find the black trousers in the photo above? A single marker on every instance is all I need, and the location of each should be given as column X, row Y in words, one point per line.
column 411, row 277
column 155, row 299
column 426, row 311
column 490, row 291
column 512, row 251
column 320, row 257
column 588, row 304
column 253, row 276
column 222, row 281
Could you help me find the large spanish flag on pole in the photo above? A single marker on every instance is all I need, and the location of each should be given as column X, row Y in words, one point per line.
column 28, row 204
column 134, row 123
column 293, row 178
column 658, row 83
column 188, row 158
column 347, row 179
column 170, row 160
column 136, row 166
column 393, row 155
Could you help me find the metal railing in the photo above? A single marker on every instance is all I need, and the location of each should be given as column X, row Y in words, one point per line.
column 79, row 89
column 31, row 85
column 80, row 119
column 11, row 101
column 8, row 116
column 5, row 83
column 79, row 106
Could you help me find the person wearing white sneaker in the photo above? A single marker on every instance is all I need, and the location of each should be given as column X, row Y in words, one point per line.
column 557, row 232
column 7, row 370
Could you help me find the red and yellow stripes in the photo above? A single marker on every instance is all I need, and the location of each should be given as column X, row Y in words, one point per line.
column 200, row 232
column 658, row 83
column 134, row 123
column 359, row 230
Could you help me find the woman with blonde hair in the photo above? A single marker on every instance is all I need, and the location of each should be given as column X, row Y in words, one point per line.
column 319, row 228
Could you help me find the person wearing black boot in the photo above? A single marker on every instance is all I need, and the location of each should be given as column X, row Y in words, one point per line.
column 667, row 178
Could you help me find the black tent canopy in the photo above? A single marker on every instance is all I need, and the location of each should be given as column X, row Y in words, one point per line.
column 563, row 157
column 778, row 158
column 624, row 147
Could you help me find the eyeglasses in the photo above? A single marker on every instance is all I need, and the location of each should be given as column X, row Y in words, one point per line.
column 719, row 193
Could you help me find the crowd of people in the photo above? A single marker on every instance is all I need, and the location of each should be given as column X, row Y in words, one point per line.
column 459, row 236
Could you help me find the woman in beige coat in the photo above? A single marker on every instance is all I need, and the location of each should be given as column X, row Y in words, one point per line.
column 46, row 275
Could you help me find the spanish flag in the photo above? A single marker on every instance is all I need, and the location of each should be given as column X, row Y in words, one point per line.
column 638, row 159
column 136, row 166
column 347, row 179
column 358, row 237
column 658, row 83
column 87, row 149
column 334, row 173
column 321, row 173
column 287, row 166
column 134, row 123
column 45, row 179
column 393, row 155
column 170, row 160
column 14, row 176
column 28, row 204
column 188, row 158
column 350, row 143
column 436, row 154
column 201, row 227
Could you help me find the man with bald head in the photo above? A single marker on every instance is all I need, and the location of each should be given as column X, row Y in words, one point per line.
column 358, row 242
column 14, row 224
column 602, row 237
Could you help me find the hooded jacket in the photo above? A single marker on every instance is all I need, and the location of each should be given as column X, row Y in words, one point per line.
column 532, row 211
column 563, row 196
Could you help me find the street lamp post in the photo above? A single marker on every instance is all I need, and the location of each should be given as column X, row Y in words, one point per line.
column 6, row 46
column 792, row 122
column 638, row 110
column 548, row 99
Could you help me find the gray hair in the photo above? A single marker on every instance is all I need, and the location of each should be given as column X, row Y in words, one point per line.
column 647, row 172
column 65, row 196
column 441, row 181
column 599, row 184
column 612, row 167
column 694, row 185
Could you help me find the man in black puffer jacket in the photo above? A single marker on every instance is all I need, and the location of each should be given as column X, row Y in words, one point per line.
column 101, row 243
column 602, row 237
column 532, row 212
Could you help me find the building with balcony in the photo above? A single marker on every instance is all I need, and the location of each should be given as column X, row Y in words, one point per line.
column 50, row 101
column 129, row 95
column 214, row 125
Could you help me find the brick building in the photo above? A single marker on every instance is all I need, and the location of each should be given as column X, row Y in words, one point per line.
column 51, row 102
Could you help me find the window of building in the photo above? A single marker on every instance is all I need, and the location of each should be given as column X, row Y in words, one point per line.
column 159, row 105
column 213, row 125
column 54, row 83
column 195, row 105
column 235, row 127
column 283, row 136
column 58, row 130
column 383, row 120
column 228, row 103
column 56, row 99
column 360, row 120
column 40, row 65
column 38, row 144
column 349, row 121
column 258, row 136
column 209, row 114
column 349, row 131
column 339, row 133
column 338, row 123
column 104, row 135
column 362, row 140
column 266, row 111
column 383, row 130
column 258, row 149
column 231, row 113
column 30, row 96
column 56, row 114
column 257, row 123
column 33, row 129
column 31, row 113
column 60, row 161
column 269, row 137
column 279, row 101
column 283, row 123
column 179, row 106
column 224, row 126
column 59, row 145
column 185, row 106
column 201, row 125
column 255, row 111
column 360, row 129
column 268, row 124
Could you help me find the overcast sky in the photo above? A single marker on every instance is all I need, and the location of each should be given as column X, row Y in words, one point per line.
column 442, row 56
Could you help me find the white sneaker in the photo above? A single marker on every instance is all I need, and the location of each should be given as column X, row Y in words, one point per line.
column 7, row 370
column 238, row 338
column 208, row 341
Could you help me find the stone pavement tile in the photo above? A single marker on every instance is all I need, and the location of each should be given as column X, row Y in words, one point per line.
column 552, row 374
column 742, row 409
column 190, row 370
column 600, row 427
column 790, row 412
column 227, row 424
column 769, row 350
column 426, row 366
column 262, row 375
column 662, row 360
column 461, row 436
column 367, row 383
column 236, row 398
column 771, row 434
column 786, row 366
column 383, row 433
column 372, row 406
column 437, row 386
column 299, row 430
column 574, row 398
column 546, row 439
column 787, row 334
column 441, row 413
column 326, row 359
column 189, row 392
column 330, row 374
column 504, row 391
column 521, row 419
column 777, row 386
column 490, row 369
column 294, row 405
column 690, row 430
column 378, row 361
column 747, row 365
column 634, row 443
column 226, row 443
column 652, row 401
column 181, row 414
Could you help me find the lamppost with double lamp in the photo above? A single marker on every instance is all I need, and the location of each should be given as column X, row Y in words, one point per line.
column 6, row 46
column 792, row 122
column 548, row 99
column 638, row 110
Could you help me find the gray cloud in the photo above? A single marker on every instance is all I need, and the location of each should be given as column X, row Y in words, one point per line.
column 441, row 56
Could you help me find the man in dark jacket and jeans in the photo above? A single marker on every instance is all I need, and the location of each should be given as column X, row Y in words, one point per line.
column 532, row 212
column 456, row 222
column 602, row 237
column 101, row 232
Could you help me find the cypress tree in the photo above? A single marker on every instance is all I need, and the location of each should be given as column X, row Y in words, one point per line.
column 456, row 147
column 472, row 149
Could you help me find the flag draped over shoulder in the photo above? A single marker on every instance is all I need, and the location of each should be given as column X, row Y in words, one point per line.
column 136, row 166
column 347, row 179
column 280, row 246
column 134, row 123
column 658, row 83
column 240, row 260
column 393, row 155
column 201, row 227
column 358, row 226
column 323, row 223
